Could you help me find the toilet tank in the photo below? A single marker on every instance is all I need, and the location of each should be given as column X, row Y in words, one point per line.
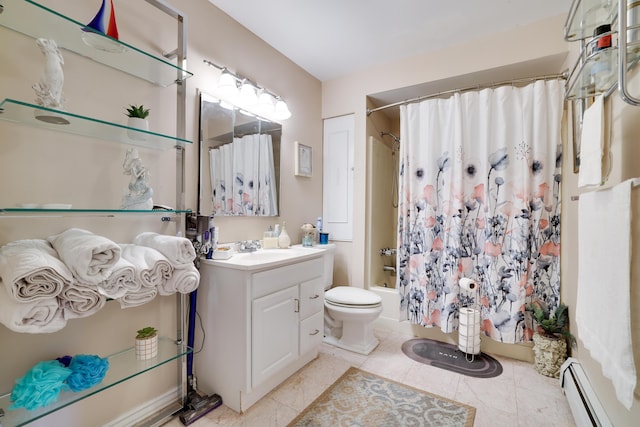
column 327, row 276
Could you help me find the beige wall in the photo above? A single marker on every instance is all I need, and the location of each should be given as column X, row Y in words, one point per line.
column 45, row 167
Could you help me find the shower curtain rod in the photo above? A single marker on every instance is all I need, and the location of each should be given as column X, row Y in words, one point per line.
column 562, row 75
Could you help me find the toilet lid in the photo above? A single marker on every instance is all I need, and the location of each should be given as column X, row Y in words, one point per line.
column 351, row 296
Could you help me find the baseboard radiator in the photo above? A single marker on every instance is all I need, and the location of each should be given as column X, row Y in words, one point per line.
column 583, row 401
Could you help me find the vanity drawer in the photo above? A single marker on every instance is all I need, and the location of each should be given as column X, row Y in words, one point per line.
column 311, row 297
column 311, row 332
column 275, row 279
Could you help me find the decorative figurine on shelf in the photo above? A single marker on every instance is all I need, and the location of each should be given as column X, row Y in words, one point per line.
column 105, row 21
column 49, row 88
column 139, row 197
column 103, row 24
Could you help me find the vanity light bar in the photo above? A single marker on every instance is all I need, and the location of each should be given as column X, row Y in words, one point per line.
column 249, row 95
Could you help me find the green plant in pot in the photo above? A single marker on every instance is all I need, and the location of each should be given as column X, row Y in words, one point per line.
column 146, row 343
column 147, row 332
column 137, row 111
column 551, row 337
column 137, row 115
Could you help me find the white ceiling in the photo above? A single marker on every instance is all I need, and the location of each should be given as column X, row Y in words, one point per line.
column 332, row 38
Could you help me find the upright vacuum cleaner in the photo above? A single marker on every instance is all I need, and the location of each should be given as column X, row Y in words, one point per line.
column 197, row 405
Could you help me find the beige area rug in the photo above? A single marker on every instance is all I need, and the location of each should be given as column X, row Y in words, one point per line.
column 359, row 398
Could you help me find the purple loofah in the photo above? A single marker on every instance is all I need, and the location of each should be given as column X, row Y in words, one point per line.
column 65, row 360
column 40, row 386
column 86, row 371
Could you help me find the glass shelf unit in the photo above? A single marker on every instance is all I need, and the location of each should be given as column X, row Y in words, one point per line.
column 63, row 121
column 585, row 15
column 165, row 215
column 122, row 366
column 34, row 20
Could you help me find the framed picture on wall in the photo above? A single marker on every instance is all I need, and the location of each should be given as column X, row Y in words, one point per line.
column 303, row 162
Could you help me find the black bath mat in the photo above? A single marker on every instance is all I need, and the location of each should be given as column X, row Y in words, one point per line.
column 449, row 357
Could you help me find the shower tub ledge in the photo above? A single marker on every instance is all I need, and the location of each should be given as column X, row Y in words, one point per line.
column 390, row 307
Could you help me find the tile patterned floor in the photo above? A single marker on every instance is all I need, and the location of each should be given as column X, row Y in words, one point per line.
column 518, row 397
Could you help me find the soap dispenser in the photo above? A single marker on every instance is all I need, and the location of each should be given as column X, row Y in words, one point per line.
column 284, row 241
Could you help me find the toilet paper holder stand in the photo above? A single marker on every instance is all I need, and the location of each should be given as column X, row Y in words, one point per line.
column 469, row 319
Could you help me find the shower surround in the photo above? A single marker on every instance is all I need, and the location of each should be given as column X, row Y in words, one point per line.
column 382, row 224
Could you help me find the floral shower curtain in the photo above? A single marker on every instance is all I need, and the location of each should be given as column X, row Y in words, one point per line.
column 480, row 198
column 243, row 177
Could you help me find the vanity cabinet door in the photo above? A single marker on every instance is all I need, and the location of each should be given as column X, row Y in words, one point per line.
column 311, row 332
column 274, row 337
column 311, row 297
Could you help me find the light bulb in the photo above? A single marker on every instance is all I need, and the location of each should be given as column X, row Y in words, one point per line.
column 248, row 95
column 265, row 104
column 282, row 111
column 227, row 87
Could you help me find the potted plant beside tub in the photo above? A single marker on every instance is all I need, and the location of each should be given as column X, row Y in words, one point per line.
column 551, row 337
column 147, row 343
column 137, row 115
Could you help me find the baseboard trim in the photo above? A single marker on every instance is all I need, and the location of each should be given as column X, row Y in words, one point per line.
column 146, row 410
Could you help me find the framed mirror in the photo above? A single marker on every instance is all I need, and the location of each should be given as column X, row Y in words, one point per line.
column 239, row 161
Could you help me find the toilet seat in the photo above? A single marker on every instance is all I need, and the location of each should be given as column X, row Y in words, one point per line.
column 351, row 297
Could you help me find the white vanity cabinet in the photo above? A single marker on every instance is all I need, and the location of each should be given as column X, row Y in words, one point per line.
column 262, row 322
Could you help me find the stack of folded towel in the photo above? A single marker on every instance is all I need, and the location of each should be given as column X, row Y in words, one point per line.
column 89, row 257
column 31, row 270
column 43, row 283
column 32, row 279
column 81, row 300
column 122, row 281
column 40, row 316
column 152, row 271
column 178, row 250
column 181, row 254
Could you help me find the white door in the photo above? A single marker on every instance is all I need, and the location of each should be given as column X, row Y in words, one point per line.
column 337, row 177
column 274, row 340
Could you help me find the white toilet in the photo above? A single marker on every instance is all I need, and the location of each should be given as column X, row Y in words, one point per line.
column 349, row 313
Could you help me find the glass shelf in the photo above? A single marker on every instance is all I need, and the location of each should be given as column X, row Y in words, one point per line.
column 122, row 366
column 63, row 121
column 34, row 20
column 598, row 74
column 585, row 15
column 25, row 212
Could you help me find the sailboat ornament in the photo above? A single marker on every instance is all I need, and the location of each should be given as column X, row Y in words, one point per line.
column 104, row 23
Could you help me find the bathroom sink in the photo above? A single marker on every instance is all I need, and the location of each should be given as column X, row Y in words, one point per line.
column 268, row 258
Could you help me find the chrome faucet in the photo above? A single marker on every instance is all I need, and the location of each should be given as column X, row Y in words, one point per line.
column 390, row 269
column 248, row 246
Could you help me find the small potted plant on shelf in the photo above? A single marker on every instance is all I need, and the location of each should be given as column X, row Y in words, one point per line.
column 551, row 337
column 137, row 115
column 147, row 343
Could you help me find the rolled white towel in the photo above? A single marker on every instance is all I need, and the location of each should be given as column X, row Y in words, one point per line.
column 31, row 270
column 123, row 279
column 89, row 257
column 34, row 317
column 81, row 300
column 183, row 280
column 140, row 297
column 178, row 250
column 152, row 268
